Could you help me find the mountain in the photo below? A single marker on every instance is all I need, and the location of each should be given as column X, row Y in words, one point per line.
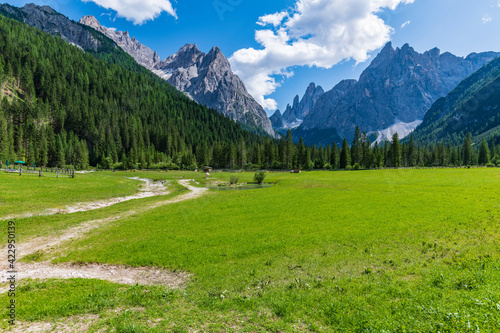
column 277, row 120
column 295, row 114
column 62, row 106
column 81, row 36
column 473, row 106
column 48, row 20
column 399, row 85
column 206, row 78
column 142, row 54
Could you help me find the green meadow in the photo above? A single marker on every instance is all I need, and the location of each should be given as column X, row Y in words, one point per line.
column 359, row 251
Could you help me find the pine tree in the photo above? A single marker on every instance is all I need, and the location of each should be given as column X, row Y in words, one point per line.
column 334, row 156
column 345, row 155
column 412, row 153
column 395, row 151
column 467, row 151
column 484, row 153
column 357, row 147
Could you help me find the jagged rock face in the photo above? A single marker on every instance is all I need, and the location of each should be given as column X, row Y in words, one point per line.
column 209, row 80
column 50, row 21
column 400, row 85
column 142, row 54
column 327, row 102
column 206, row 78
column 295, row 114
column 277, row 120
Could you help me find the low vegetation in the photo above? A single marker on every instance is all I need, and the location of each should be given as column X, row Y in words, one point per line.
column 385, row 250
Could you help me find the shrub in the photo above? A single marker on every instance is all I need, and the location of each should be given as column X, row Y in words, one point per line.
column 357, row 166
column 490, row 165
column 233, row 180
column 259, row 176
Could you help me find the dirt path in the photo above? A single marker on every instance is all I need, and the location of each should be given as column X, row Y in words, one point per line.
column 112, row 273
column 118, row 274
column 149, row 189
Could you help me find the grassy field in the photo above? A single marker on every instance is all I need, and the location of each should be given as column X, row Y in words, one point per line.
column 30, row 194
column 367, row 251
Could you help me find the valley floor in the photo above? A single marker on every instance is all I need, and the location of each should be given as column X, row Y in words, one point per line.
column 384, row 250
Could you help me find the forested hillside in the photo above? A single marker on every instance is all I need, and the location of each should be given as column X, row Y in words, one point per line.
column 473, row 106
column 62, row 106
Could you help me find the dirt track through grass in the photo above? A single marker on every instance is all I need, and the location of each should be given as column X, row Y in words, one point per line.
column 117, row 274
column 149, row 189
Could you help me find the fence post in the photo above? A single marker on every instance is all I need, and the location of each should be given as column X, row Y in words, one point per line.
column 57, row 173
column 40, row 173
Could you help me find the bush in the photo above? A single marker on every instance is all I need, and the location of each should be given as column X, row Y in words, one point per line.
column 357, row 166
column 233, row 180
column 490, row 165
column 259, row 176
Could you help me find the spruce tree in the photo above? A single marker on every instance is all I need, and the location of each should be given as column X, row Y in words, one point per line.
column 467, row 151
column 345, row 155
column 334, row 156
column 484, row 153
column 395, row 151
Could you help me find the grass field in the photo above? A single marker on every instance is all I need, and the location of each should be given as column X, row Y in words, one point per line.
column 367, row 251
column 30, row 194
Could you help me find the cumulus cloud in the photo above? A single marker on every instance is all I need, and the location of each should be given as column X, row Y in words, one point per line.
column 486, row 19
column 405, row 24
column 274, row 19
column 137, row 11
column 317, row 33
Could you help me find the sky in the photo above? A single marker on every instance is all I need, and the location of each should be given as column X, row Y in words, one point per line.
column 278, row 47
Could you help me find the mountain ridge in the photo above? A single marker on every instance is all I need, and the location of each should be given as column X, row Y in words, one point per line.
column 207, row 78
column 399, row 85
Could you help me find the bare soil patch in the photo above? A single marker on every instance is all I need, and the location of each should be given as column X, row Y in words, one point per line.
column 113, row 273
column 66, row 325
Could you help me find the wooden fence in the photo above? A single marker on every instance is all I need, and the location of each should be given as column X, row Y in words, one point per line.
column 43, row 171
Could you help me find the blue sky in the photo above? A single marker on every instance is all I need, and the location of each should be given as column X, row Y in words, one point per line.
column 321, row 41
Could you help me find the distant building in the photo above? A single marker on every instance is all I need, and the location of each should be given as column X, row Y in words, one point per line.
column 296, row 171
column 207, row 169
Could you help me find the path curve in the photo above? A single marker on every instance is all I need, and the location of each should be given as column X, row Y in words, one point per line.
column 149, row 189
column 117, row 274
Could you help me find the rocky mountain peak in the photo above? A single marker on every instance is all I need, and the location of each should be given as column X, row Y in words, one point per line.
column 399, row 85
column 48, row 20
column 433, row 53
column 34, row 7
column 300, row 108
column 90, row 21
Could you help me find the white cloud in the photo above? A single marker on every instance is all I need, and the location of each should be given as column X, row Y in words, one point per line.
column 486, row 19
column 405, row 24
column 318, row 33
column 274, row 19
column 138, row 11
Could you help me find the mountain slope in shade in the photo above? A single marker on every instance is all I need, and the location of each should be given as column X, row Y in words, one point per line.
column 206, row 78
column 277, row 120
column 400, row 85
column 300, row 108
column 473, row 106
